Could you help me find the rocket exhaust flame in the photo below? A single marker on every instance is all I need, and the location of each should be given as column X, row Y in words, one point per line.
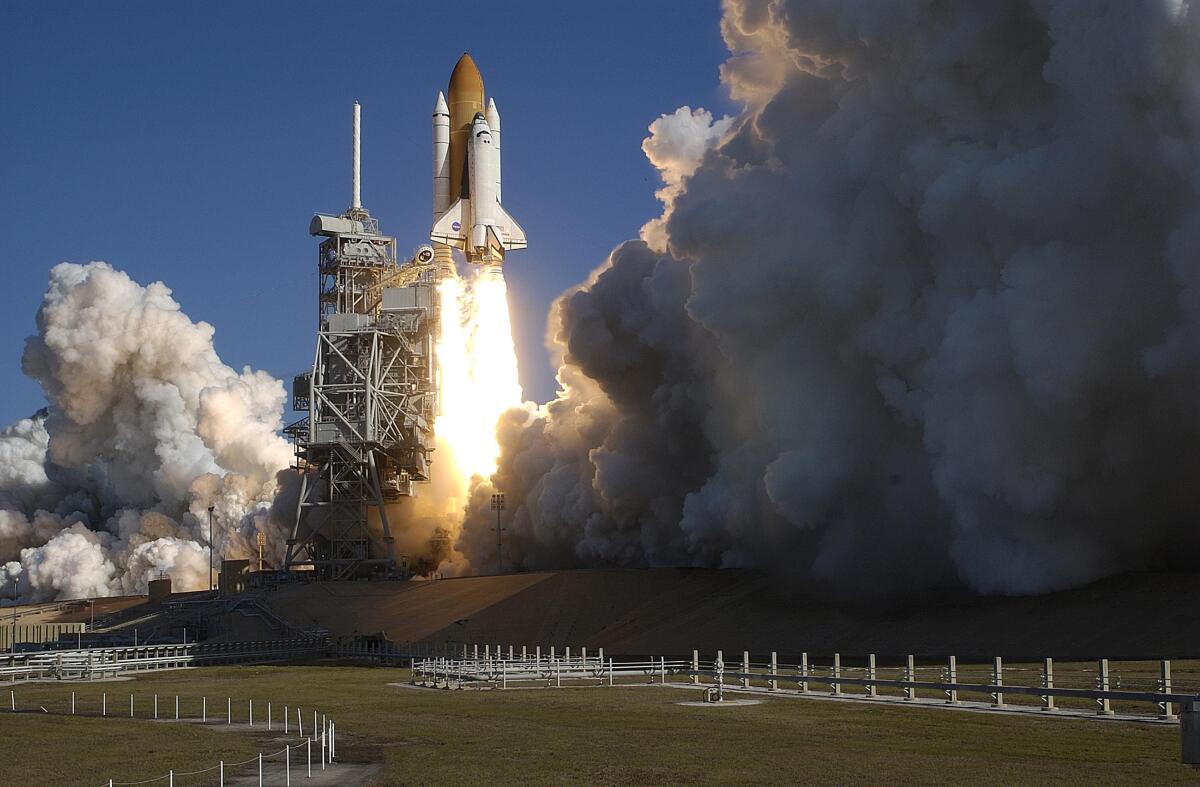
column 477, row 368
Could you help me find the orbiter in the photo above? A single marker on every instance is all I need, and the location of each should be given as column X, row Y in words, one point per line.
column 467, row 214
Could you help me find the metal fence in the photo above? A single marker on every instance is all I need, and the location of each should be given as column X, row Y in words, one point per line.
column 295, row 759
column 1020, row 687
column 89, row 663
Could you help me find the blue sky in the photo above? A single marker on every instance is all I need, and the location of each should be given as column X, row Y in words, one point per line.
column 191, row 143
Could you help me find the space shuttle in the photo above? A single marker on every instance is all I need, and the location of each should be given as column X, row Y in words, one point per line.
column 467, row 213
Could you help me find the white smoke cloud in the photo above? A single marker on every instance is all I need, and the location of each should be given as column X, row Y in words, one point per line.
column 925, row 312
column 145, row 429
column 675, row 147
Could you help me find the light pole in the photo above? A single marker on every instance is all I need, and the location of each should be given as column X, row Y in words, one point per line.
column 498, row 506
column 210, row 547
column 16, row 598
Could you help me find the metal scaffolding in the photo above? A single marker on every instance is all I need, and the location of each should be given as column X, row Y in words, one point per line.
column 371, row 399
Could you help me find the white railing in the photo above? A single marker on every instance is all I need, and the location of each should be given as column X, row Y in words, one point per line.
column 550, row 671
column 296, row 757
column 89, row 663
column 497, row 667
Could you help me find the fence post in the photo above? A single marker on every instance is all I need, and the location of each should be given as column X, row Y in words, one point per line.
column 1048, row 684
column 171, row 778
column 773, row 683
column 952, row 679
column 803, row 673
column 268, row 715
column 998, row 682
column 72, row 703
column 662, row 670
column 285, row 720
column 510, row 652
column 229, row 710
column 610, row 673
column 222, row 769
column 523, row 656
column 103, row 703
column 176, row 707
column 910, row 675
column 156, row 706
column 204, row 710
column 1105, row 707
column 1165, row 684
column 695, row 668
column 299, row 723
column 322, row 748
column 837, row 673
column 251, row 713
column 308, row 744
column 872, row 691
column 537, row 656
column 287, row 764
column 745, row 669
column 260, row 769
column 601, row 657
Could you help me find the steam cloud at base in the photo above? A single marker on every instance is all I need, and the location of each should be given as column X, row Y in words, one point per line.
column 145, row 429
column 926, row 312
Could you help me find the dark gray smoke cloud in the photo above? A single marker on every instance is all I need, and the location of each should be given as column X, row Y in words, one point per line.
column 927, row 311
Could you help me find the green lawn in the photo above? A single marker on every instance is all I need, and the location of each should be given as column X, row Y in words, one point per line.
column 576, row 735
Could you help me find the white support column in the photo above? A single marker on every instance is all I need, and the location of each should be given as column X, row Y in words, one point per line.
column 308, row 745
column 251, row 716
column 804, row 673
column 285, row 720
column 745, row 669
column 998, row 682
column 910, row 675
column 203, row 709
column 872, row 689
column 695, row 668
column 837, row 673
column 1048, row 684
column 229, row 710
column 1164, row 683
column 287, row 765
column 952, row 678
column 1104, row 705
column 773, row 683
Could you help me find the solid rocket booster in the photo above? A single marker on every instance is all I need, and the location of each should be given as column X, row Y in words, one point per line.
column 466, row 170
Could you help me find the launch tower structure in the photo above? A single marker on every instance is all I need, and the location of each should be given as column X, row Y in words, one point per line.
column 371, row 396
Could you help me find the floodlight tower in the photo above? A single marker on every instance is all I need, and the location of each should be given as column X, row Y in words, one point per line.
column 370, row 397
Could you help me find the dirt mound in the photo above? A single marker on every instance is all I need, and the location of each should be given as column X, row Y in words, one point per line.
column 672, row 611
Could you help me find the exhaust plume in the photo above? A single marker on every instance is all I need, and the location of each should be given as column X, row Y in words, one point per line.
column 926, row 312
column 145, row 429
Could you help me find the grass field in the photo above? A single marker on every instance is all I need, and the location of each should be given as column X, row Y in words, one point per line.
column 634, row 735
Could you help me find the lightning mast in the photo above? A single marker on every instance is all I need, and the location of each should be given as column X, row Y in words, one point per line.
column 371, row 396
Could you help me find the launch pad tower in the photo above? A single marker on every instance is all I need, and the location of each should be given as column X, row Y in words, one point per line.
column 371, row 396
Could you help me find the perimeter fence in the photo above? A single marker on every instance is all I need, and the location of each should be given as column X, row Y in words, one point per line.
column 1140, row 689
column 301, row 755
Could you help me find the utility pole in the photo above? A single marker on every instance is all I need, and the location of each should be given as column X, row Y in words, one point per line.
column 16, row 600
column 498, row 506
column 210, row 548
